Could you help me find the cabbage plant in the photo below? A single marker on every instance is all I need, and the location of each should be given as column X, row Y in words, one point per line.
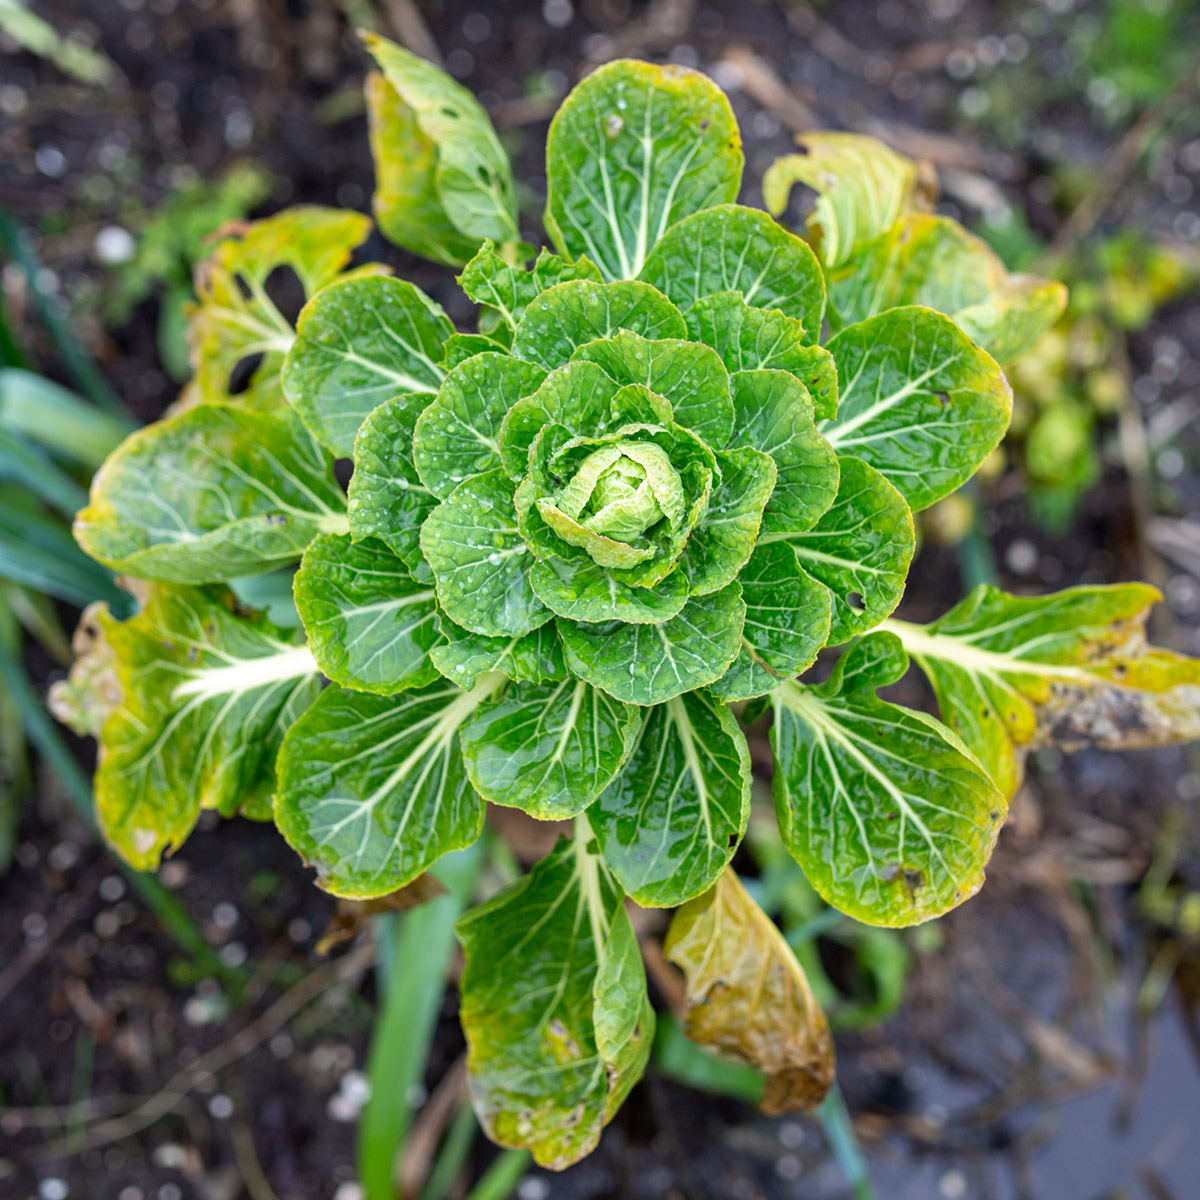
column 582, row 545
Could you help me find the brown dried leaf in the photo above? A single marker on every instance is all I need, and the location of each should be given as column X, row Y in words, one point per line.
column 351, row 914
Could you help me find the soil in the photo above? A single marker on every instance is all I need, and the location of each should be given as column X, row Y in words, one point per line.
column 1022, row 1063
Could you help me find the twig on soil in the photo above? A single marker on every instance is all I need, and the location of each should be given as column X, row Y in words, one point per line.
column 429, row 1126
column 405, row 18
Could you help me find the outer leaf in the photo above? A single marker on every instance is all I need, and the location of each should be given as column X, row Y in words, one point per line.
column 480, row 561
column 892, row 819
column 558, row 1025
column 582, row 591
column 571, row 314
column 194, row 704
column 535, row 658
column 689, row 375
column 787, row 622
column 649, row 664
column 387, row 499
column 862, row 186
column 673, row 818
column 633, row 149
column 472, row 176
column 359, row 343
column 751, row 339
column 934, row 261
column 1071, row 669
column 211, row 494
column 549, row 749
column 747, row 996
column 369, row 626
column 372, row 789
column 736, row 249
column 918, row 401
column 860, row 550
column 458, row 434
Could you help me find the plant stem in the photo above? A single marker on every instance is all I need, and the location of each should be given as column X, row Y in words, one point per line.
column 839, row 1132
column 502, row 1176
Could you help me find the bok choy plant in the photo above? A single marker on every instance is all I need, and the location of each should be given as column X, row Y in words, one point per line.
column 581, row 546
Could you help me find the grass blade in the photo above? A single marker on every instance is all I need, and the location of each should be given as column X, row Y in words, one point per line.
column 502, row 1176
column 47, row 413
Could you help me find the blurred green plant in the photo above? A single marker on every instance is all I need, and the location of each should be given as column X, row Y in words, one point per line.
column 39, row 37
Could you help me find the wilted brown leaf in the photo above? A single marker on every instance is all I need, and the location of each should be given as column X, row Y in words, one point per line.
column 351, row 914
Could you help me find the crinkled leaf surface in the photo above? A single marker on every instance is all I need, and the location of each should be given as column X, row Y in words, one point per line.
column 748, row 998
column 533, row 658
column 633, row 149
column 918, row 401
column 581, row 590
column 734, row 249
column 458, row 347
column 1070, row 669
column 554, row 1007
column 648, row 664
column 369, row 625
column 372, row 789
column 359, row 343
column 892, row 819
column 211, row 494
column 672, row 819
column 549, row 749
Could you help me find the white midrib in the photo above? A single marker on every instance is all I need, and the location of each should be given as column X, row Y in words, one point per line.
column 837, row 433
column 687, row 737
column 569, row 724
column 250, row 673
column 589, row 882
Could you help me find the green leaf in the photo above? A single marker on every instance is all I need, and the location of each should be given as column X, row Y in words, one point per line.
column 534, row 658
column 892, row 819
column 480, row 561
column 722, row 542
column 489, row 280
column 558, row 1025
column 372, row 789
column 458, row 434
column 752, row 339
column 386, row 498
column 633, row 149
column 571, row 314
column 918, row 401
column 359, row 343
column 736, row 249
column 581, row 590
column 445, row 181
column 672, row 819
column 649, row 664
column 690, row 376
column 860, row 549
column 549, row 749
column 862, row 186
column 369, row 626
column 934, row 261
column 787, row 623
column 1070, row 669
column 458, row 347
column 210, row 494
column 194, row 702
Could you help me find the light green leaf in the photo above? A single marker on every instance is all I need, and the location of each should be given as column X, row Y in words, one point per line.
column 672, row 819
column 480, row 561
column 787, row 622
column 193, row 703
column 687, row 374
column 1070, row 669
column 534, row 658
column 892, row 819
column 734, row 249
column 458, row 434
column 442, row 155
column 752, row 339
column 369, row 626
column 558, row 1025
column 633, row 149
column 549, row 749
column 211, row 494
column 458, row 347
column 372, row 789
column 860, row 549
column 581, row 590
column 571, row 314
column 489, row 280
column 723, row 541
column 649, row 664
column 934, row 261
column 862, row 186
column 918, row 401
column 386, row 498
column 359, row 343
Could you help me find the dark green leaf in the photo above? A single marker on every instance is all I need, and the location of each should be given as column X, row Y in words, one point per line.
column 534, row 658
column 489, row 280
